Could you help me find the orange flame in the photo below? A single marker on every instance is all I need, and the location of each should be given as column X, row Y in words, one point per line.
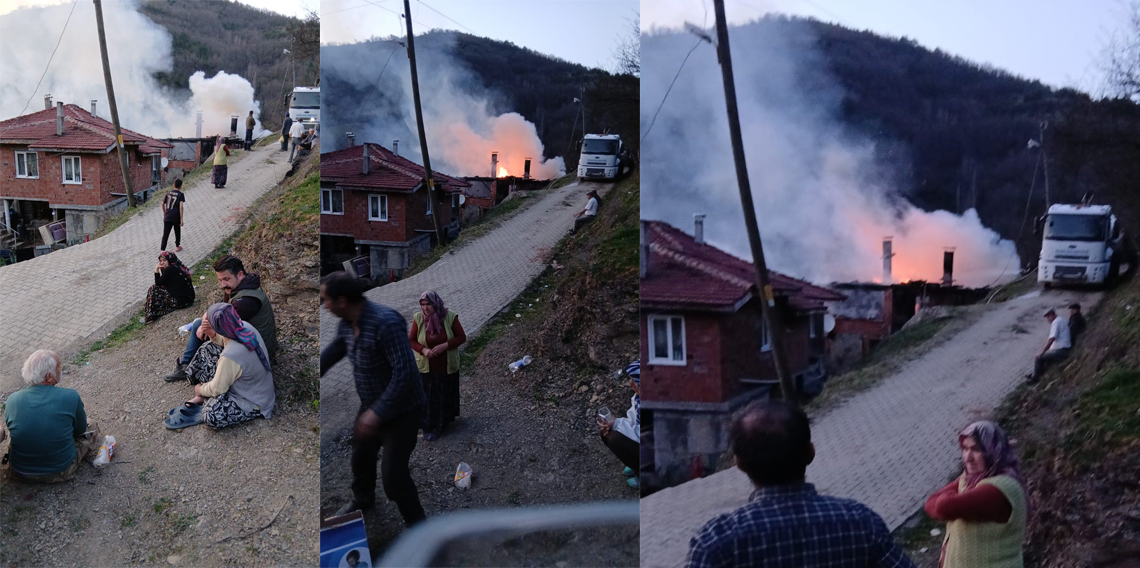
column 502, row 172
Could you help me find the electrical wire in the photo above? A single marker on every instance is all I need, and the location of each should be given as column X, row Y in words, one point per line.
column 652, row 122
column 446, row 16
column 364, row 104
column 46, row 67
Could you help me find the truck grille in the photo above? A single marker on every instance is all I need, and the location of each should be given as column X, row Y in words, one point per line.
column 595, row 171
column 1071, row 256
column 1069, row 272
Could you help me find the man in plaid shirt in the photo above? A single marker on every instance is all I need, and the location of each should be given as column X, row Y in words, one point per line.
column 375, row 340
column 786, row 523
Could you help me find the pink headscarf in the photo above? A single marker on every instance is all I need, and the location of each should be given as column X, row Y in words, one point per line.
column 998, row 454
column 434, row 324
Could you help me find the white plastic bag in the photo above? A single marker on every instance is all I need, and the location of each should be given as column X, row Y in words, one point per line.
column 106, row 452
column 463, row 476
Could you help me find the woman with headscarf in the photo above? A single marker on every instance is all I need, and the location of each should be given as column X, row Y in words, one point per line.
column 172, row 290
column 623, row 436
column 986, row 507
column 242, row 386
column 435, row 336
column 221, row 167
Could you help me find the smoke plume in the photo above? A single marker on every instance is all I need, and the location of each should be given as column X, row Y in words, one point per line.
column 137, row 48
column 463, row 121
column 825, row 196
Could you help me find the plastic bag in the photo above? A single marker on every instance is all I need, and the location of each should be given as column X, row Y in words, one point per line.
column 463, row 476
column 106, row 452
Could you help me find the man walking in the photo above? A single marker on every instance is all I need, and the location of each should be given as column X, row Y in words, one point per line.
column 786, row 523
column 392, row 400
column 1056, row 347
column 285, row 126
column 250, row 124
column 172, row 210
column 295, row 133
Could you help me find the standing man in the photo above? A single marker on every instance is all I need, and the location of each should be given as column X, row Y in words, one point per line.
column 250, row 124
column 285, row 126
column 172, row 210
column 295, row 133
column 392, row 400
column 1056, row 348
column 587, row 215
column 786, row 523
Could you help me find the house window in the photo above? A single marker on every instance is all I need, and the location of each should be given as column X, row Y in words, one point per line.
column 72, row 169
column 27, row 165
column 455, row 201
column 377, row 207
column 428, row 195
column 666, row 340
column 816, row 326
column 155, row 172
column 765, row 336
column 332, row 201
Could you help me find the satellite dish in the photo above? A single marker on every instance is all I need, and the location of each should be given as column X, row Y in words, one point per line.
column 462, row 199
column 828, row 323
column 165, row 162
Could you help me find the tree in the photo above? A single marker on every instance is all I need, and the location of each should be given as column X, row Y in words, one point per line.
column 1123, row 58
column 628, row 52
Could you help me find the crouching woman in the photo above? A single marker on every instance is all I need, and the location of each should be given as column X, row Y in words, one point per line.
column 242, row 386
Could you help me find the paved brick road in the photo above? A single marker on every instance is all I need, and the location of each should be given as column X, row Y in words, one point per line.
column 891, row 446
column 60, row 300
column 476, row 281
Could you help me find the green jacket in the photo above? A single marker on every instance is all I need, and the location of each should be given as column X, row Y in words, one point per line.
column 989, row 545
column 452, row 354
column 264, row 322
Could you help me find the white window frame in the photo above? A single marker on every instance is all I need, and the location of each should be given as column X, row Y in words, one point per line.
column 428, row 195
column 380, row 198
column 25, row 156
column 329, row 192
column 669, row 322
column 765, row 336
column 77, row 168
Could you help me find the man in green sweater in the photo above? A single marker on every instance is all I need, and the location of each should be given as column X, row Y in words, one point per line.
column 49, row 429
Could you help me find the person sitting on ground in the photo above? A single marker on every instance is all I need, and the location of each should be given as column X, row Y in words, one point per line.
column 986, row 507
column 243, row 291
column 307, row 141
column 242, row 386
column 172, row 289
column 221, row 167
column 435, row 337
column 623, row 436
column 1076, row 322
column 1056, row 348
column 786, row 523
column 586, row 215
column 48, row 425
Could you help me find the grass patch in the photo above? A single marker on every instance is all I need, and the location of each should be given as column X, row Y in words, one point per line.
column 122, row 334
column 179, row 523
column 128, row 520
column 162, row 505
column 1016, row 288
column 492, row 219
column 298, row 207
column 144, row 475
column 564, row 181
column 524, row 304
column 1107, row 416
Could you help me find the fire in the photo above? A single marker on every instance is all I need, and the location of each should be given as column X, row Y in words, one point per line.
column 502, row 172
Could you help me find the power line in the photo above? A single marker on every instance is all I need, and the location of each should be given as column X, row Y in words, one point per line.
column 647, row 130
column 446, row 16
column 364, row 104
column 46, row 67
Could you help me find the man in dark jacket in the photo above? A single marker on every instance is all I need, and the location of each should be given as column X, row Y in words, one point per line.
column 250, row 124
column 285, row 126
column 252, row 305
column 1076, row 321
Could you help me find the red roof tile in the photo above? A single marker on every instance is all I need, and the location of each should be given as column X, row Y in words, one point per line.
column 82, row 131
column 683, row 272
column 387, row 171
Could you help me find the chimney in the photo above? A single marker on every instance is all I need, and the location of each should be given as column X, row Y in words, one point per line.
column 948, row 267
column 699, row 228
column 644, row 252
column 233, row 125
column 93, row 101
column 47, row 101
column 367, row 163
column 494, row 164
column 351, row 139
column 59, row 119
column 396, row 146
column 526, row 169
column 198, row 126
column 887, row 254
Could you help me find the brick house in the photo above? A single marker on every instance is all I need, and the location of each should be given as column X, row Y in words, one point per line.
column 375, row 203
column 705, row 349
column 63, row 163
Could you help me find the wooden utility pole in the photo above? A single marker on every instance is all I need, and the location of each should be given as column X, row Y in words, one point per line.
column 114, row 109
column 772, row 313
column 420, row 124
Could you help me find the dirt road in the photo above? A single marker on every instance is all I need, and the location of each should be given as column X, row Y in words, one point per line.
column 893, row 445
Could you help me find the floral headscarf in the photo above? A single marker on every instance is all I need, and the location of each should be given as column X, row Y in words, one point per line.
column 999, row 456
column 435, row 322
column 172, row 259
column 224, row 319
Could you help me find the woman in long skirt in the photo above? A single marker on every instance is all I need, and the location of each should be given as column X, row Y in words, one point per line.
column 221, row 156
column 435, row 336
column 172, row 289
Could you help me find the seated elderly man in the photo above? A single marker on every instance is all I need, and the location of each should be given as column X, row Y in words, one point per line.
column 49, row 429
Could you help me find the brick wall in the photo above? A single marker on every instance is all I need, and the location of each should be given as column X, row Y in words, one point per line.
column 699, row 380
column 101, row 176
column 406, row 214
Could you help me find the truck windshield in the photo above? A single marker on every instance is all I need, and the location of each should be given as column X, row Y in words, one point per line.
column 608, row 147
column 306, row 100
column 1075, row 228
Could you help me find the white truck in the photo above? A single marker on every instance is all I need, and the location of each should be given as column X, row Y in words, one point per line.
column 603, row 156
column 305, row 106
column 1081, row 244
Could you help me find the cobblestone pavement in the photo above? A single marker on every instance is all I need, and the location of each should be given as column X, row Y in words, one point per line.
column 476, row 281
column 60, row 300
column 889, row 447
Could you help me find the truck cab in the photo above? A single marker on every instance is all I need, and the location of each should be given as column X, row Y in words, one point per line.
column 1080, row 245
column 602, row 157
column 305, row 106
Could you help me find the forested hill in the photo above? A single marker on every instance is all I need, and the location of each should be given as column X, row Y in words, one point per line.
column 222, row 35
column 511, row 78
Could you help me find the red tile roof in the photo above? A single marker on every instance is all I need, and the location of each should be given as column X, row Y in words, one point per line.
column 387, row 171
column 685, row 273
column 82, row 132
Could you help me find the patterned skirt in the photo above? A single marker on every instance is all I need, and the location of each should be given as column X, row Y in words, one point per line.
column 220, row 173
column 442, row 392
column 204, row 363
column 222, row 411
column 159, row 302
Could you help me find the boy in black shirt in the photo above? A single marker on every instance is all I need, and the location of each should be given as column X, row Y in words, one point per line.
column 172, row 207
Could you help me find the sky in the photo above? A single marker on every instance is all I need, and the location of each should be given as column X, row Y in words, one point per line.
column 1058, row 42
column 586, row 32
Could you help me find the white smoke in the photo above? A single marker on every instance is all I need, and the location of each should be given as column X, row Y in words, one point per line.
column 137, row 48
column 824, row 199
